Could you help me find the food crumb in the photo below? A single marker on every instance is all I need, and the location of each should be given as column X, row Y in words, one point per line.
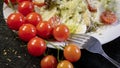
column 15, row 52
column 6, row 38
column 34, row 66
column 19, row 56
column 5, row 53
column 22, row 45
column 9, row 59
column 6, row 64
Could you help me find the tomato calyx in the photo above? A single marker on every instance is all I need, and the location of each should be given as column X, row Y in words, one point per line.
column 11, row 3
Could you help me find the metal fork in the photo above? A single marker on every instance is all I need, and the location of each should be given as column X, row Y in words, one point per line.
column 91, row 44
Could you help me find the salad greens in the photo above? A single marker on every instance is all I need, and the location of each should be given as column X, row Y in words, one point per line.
column 75, row 13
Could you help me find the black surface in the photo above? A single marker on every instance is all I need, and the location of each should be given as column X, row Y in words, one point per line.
column 13, row 52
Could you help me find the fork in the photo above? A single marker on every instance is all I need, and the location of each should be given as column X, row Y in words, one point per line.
column 91, row 44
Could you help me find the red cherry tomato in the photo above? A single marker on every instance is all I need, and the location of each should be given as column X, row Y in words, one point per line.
column 15, row 20
column 65, row 64
column 108, row 17
column 54, row 21
column 33, row 18
column 44, row 29
column 12, row 1
column 61, row 32
column 36, row 46
column 49, row 62
column 91, row 7
column 19, row 1
column 26, row 32
column 25, row 7
column 72, row 53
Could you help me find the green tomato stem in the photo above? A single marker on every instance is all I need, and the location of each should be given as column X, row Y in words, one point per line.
column 58, row 50
column 11, row 5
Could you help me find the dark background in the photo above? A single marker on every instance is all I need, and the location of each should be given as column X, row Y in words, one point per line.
column 13, row 52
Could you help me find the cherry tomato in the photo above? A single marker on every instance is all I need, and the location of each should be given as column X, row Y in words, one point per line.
column 44, row 29
column 65, row 64
column 108, row 17
column 15, row 20
column 91, row 7
column 36, row 46
column 33, row 18
column 49, row 62
column 25, row 7
column 26, row 32
column 54, row 21
column 12, row 1
column 61, row 32
column 72, row 53
column 19, row 1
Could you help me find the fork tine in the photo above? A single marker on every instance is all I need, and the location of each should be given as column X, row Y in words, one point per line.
column 79, row 38
column 76, row 41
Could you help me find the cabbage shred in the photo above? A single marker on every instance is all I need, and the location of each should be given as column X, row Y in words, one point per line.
column 75, row 13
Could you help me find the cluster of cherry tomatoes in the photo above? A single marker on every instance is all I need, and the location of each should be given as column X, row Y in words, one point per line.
column 33, row 29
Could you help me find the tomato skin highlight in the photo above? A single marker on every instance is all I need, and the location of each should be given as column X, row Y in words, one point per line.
column 72, row 53
column 48, row 62
column 61, row 32
column 65, row 64
column 25, row 7
column 108, row 17
column 36, row 47
column 44, row 29
column 33, row 18
column 15, row 20
column 26, row 32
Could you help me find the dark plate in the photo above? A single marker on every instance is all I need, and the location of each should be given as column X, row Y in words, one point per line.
column 13, row 52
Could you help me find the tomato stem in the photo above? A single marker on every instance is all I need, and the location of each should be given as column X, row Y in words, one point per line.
column 11, row 5
column 58, row 50
column 58, row 58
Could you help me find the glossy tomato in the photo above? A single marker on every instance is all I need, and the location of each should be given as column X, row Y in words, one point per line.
column 108, row 17
column 48, row 62
column 61, row 32
column 72, row 53
column 26, row 32
column 19, row 1
column 44, row 29
column 25, row 7
column 36, row 46
column 15, row 20
column 33, row 18
column 54, row 21
column 65, row 64
column 12, row 1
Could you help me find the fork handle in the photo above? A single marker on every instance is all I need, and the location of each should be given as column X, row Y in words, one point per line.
column 117, row 64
